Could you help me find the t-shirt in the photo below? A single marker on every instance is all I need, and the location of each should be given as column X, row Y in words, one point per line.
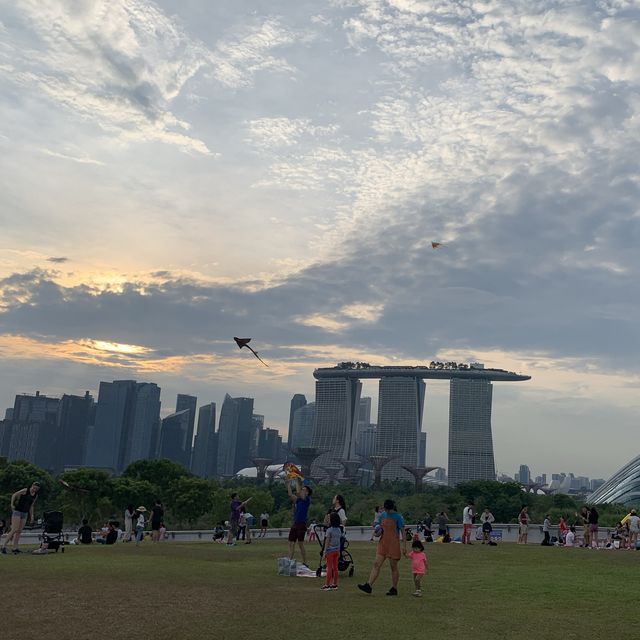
column 570, row 539
column 418, row 562
column 301, row 510
column 393, row 515
column 332, row 539
column 467, row 515
column 84, row 534
column 634, row 523
column 442, row 522
column 234, row 508
column 112, row 537
column 264, row 516
column 546, row 525
column 157, row 514
column 486, row 517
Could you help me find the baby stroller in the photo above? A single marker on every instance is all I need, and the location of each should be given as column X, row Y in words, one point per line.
column 52, row 536
column 345, row 560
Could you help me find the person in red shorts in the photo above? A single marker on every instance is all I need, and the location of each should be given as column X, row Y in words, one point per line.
column 301, row 503
column 467, row 523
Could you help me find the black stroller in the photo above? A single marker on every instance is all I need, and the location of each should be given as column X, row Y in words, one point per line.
column 345, row 560
column 52, row 536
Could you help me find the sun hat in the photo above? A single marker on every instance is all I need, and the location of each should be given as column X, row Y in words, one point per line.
column 141, row 509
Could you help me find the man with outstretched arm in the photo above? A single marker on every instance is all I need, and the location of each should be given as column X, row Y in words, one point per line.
column 234, row 518
column 301, row 502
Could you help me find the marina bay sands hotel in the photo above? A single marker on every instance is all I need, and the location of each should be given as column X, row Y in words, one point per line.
column 400, row 410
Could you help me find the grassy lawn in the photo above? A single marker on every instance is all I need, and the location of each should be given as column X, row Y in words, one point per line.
column 180, row 590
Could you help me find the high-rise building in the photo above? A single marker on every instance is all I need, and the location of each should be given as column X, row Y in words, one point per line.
column 298, row 401
column 235, row 433
column 75, row 415
column 364, row 412
column 524, row 474
column 303, row 420
column 270, row 444
column 184, row 401
column 422, row 451
column 174, row 435
column 337, row 404
column 257, row 421
column 126, row 424
column 470, row 437
column 596, row 483
column 204, row 462
column 400, row 409
column 366, row 443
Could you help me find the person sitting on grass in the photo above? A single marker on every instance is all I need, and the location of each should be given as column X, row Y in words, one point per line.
column 301, row 503
column 111, row 536
column 85, row 533
column 419, row 565
column 393, row 530
column 570, row 539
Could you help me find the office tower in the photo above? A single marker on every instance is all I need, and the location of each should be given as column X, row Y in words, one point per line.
column 543, row 478
column 400, row 408
column 174, row 435
column 184, row 401
column 126, row 424
column 303, row 426
column 204, row 461
column 366, row 443
column 596, row 483
column 34, row 432
column 270, row 444
column 234, row 435
column 470, row 438
column 75, row 415
column 337, row 403
column 298, row 401
column 257, row 423
column 524, row 474
column 8, row 413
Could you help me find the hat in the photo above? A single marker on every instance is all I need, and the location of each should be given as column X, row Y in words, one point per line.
column 141, row 509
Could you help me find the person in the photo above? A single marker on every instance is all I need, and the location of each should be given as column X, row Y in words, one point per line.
column 443, row 525
column 301, row 503
column 234, row 518
column 218, row 532
column 428, row 523
column 332, row 542
column 138, row 516
column 570, row 540
column 111, row 535
column 85, row 533
column 634, row 528
column 157, row 515
column 311, row 532
column 3, row 525
column 338, row 506
column 583, row 518
column 22, row 507
column 467, row 523
column 264, row 524
column 244, row 529
column 162, row 532
column 523, row 522
column 562, row 529
column 419, row 565
column 620, row 534
column 592, row 521
column 128, row 522
column 393, row 531
column 546, row 530
column 376, row 513
column 487, row 519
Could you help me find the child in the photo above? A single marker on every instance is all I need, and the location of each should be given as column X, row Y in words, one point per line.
column 419, row 565
column 570, row 539
column 332, row 540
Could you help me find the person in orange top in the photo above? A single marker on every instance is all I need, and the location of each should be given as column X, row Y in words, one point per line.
column 392, row 525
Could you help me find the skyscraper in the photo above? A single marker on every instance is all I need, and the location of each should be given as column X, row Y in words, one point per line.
column 400, row 408
column 204, row 462
column 422, row 450
column 337, row 403
column 126, row 424
column 524, row 474
column 470, row 438
column 184, row 401
column 174, row 435
column 298, row 401
column 75, row 415
column 270, row 444
column 234, row 435
column 303, row 425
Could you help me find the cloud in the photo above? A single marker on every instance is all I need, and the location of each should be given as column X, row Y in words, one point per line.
column 58, row 259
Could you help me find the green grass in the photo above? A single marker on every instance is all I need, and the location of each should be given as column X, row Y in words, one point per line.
column 181, row 590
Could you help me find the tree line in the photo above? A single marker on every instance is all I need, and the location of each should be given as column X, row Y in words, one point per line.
column 194, row 503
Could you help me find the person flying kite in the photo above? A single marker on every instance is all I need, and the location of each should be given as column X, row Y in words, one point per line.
column 244, row 342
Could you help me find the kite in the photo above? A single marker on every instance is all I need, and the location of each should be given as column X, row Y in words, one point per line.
column 244, row 342
column 292, row 472
column 436, row 245
column 72, row 487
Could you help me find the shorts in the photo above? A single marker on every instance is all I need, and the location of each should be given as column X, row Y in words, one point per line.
column 297, row 532
column 524, row 529
column 234, row 525
column 264, row 523
column 593, row 528
column 20, row 514
column 466, row 529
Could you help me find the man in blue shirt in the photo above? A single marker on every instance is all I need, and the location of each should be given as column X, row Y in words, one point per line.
column 301, row 502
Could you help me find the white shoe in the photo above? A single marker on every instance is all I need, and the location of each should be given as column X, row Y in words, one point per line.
column 417, row 593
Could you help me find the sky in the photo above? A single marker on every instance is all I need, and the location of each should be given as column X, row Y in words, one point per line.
column 179, row 172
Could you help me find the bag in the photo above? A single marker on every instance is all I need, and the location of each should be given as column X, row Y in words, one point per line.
column 287, row 567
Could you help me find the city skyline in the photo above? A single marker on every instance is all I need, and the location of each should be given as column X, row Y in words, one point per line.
column 176, row 174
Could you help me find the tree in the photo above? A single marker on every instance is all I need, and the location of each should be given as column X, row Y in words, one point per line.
column 162, row 474
column 190, row 499
column 89, row 495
